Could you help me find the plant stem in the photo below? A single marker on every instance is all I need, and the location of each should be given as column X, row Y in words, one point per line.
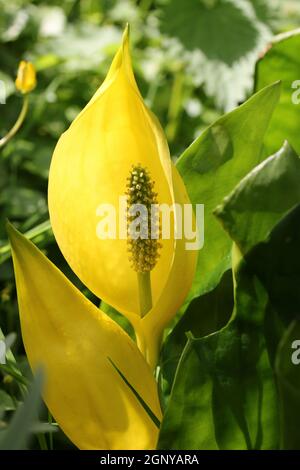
column 153, row 349
column 17, row 124
column 148, row 342
column 175, row 105
column 42, row 441
column 50, row 421
column 145, row 294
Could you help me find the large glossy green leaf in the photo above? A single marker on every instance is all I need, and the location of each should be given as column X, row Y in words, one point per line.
column 204, row 315
column 249, row 214
column 261, row 199
column 282, row 62
column 203, row 25
column 277, row 263
column 224, row 394
column 213, row 165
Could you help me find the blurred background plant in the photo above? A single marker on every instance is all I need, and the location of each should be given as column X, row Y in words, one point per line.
column 194, row 60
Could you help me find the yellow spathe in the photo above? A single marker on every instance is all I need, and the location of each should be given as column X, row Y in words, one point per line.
column 90, row 166
column 74, row 342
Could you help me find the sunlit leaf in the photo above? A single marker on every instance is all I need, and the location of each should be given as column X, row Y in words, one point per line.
column 224, row 395
column 225, row 37
column 213, row 165
column 282, row 62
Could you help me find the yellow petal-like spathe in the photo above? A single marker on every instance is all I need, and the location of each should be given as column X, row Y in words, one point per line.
column 26, row 77
column 74, row 342
column 90, row 166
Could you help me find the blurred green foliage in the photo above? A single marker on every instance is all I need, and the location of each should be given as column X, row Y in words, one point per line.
column 193, row 60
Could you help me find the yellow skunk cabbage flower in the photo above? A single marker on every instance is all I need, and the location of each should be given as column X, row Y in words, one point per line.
column 78, row 345
column 99, row 387
column 116, row 148
column 26, row 77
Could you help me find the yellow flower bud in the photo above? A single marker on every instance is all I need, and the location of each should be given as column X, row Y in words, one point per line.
column 8, row 379
column 26, row 77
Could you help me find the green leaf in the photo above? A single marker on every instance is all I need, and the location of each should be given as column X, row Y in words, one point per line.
column 23, row 202
column 213, row 165
column 35, row 234
column 17, row 435
column 277, row 264
column 224, row 394
column 224, row 37
column 9, row 355
column 282, row 62
column 210, row 30
column 11, row 367
column 261, row 199
column 6, row 402
column 204, row 315
column 265, row 10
